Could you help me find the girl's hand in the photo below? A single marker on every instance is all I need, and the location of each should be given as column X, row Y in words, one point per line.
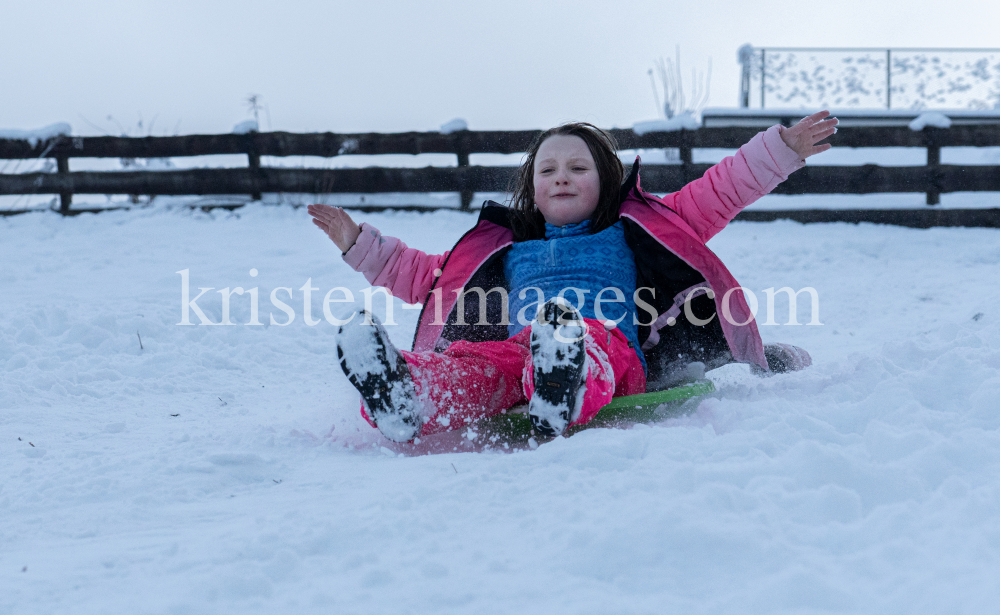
column 338, row 226
column 804, row 136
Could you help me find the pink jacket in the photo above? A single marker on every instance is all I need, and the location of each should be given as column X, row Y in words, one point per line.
column 681, row 222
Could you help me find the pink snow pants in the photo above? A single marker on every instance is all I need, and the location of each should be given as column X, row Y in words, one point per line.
column 472, row 380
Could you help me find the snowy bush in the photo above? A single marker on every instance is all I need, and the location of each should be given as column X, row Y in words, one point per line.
column 671, row 83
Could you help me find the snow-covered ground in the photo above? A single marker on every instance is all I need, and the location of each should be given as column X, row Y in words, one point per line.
column 225, row 469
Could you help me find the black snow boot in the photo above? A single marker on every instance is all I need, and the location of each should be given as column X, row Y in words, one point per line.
column 783, row 358
column 379, row 372
column 558, row 357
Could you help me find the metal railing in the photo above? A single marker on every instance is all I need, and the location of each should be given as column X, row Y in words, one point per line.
column 900, row 78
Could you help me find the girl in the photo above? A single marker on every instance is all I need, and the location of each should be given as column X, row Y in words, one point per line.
column 651, row 304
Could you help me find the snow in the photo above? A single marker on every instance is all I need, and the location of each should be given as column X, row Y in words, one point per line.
column 246, row 127
column 745, row 53
column 930, row 118
column 226, row 469
column 41, row 134
column 681, row 121
column 454, row 126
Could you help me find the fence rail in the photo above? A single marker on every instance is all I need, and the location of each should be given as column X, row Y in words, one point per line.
column 932, row 179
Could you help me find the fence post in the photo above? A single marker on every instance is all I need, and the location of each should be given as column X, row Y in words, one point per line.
column 686, row 157
column 65, row 197
column 933, row 166
column 762, row 73
column 254, row 164
column 745, row 56
column 462, row 152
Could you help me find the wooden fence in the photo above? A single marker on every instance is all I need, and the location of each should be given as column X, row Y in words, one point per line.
column 932, row 179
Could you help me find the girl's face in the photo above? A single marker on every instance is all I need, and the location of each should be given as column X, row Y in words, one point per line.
column 567, row 185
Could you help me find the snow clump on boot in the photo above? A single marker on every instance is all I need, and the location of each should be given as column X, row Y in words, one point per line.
column 379, row 372
column 558, row 359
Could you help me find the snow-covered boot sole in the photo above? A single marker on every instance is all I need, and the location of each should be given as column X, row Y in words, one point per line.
column 558, row 358
column 378, row 371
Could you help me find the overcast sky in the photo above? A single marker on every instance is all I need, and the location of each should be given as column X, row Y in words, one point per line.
column 396, row 65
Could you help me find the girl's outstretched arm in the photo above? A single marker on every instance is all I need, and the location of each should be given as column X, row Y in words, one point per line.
column 709, row 203
column 384, row 261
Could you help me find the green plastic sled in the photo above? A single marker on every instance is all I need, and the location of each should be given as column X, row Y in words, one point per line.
column 515, row 427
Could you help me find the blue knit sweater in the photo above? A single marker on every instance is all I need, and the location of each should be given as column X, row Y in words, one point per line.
column 571, row 257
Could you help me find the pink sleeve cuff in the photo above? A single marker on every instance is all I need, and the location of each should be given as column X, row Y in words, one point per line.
column 784, row 157
column 362, row 246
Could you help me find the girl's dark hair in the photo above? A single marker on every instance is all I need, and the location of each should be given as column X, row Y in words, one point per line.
column 528, row 223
